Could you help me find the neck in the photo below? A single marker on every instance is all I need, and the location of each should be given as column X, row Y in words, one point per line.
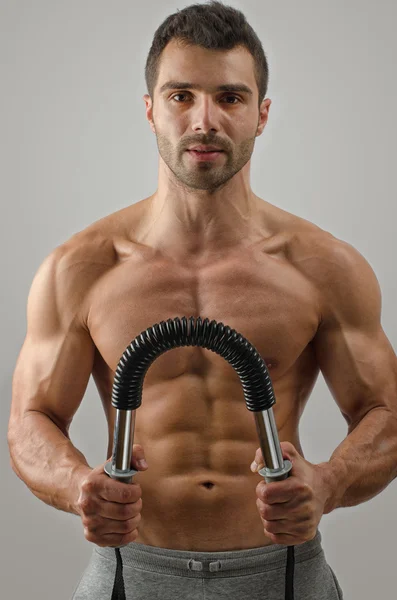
column 190, row 223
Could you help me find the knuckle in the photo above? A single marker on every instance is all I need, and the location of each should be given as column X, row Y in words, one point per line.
column 129, row 537
column 85, row 503
column 86, row 521
column 137, row 519
column 91, row 526
column 302, row 488
column 260, row 489
column 128, row 511
column 300, row 528
column 131, row 493
column 138, row 505
column 125, row 493
column 310, row 493
column 124, row 511
column 88, row 534
column 268, row 526
column 136, row 492
column 125, row 526
column 130, row 525
column 87, row 485
column 133, row 535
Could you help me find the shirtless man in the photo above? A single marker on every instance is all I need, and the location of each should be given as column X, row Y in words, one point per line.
column 198, row 522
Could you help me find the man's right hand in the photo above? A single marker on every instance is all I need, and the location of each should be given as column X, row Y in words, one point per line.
column 110, row 509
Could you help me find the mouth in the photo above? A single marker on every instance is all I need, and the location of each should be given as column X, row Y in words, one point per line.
column 205, row 155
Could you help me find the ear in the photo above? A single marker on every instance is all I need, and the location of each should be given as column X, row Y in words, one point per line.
column 263, row 116
column 149, row 111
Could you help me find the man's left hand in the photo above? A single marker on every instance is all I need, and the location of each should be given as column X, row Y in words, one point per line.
column 291, row 509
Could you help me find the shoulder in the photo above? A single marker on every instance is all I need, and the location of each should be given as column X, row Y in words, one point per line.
column 346, row 282
column 70, row 271
column 97, row 246
column 83, row 260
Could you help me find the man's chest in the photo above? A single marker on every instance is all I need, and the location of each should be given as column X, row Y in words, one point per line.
column 262, row 297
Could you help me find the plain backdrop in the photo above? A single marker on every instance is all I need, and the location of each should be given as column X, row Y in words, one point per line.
column 76, row 146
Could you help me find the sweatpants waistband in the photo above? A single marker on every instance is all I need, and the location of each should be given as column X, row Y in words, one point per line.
column 208, row 564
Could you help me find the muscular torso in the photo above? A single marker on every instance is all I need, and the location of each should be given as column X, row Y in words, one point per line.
column 198, row 436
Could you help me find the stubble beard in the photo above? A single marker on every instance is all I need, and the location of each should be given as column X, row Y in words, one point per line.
column 204, row 176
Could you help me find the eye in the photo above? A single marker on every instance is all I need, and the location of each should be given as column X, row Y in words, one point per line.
column 227, row 96
column 232, row 96
column 173, row 97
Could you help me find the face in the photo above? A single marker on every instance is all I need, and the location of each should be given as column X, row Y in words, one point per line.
column 182, row 117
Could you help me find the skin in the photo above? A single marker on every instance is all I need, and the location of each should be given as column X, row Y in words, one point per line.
column 204, row 245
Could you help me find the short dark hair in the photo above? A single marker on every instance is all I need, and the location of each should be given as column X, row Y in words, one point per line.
column 213, row 26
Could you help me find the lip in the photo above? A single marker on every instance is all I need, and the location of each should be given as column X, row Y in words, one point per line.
column 205, row 148
column 204, row 156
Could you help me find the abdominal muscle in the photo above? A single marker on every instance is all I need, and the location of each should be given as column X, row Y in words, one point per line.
column 204, row 512
column 198, row 492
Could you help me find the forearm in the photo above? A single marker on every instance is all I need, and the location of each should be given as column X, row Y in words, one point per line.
column 364, row 463
column 47, row 462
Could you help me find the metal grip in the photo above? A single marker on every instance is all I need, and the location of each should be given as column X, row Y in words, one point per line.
column 270, row 475
column 124, row 477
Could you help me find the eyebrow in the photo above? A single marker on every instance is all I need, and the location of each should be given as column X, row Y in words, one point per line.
column 228, row 87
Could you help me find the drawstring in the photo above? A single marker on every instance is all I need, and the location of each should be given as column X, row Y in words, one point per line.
column 289, row 575
column 119, row 590
column 118, row 587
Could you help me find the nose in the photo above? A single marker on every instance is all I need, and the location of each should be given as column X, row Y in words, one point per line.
column 205, row 115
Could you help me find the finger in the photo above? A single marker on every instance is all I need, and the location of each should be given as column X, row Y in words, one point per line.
column 118, row 511
column 111, row 540
column 258, row 462
column 138, row 458
column 279, row 492
column 289, row 539
column 288, row 451
column 285, row 539
column 272, row 512
column 119, row 492
column 111, row 527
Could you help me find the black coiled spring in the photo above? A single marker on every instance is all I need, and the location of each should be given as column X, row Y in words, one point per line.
column 174, row 333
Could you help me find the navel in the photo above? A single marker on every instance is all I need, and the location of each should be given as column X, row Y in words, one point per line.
column 208, row 485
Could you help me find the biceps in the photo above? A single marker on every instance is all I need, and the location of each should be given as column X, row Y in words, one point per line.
column 51, row 376
column 360, row 369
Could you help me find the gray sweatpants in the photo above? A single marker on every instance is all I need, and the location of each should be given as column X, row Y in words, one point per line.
column 152, row 573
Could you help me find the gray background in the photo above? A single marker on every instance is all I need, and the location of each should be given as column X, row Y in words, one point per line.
column 76, row 146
